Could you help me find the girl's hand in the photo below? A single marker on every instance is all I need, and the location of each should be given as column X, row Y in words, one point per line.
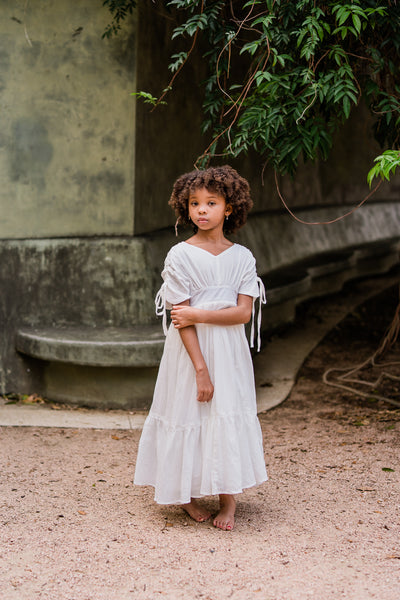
column 183, row 316
column 205, row 389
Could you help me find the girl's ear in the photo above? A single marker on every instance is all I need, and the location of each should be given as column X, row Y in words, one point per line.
column 228, row 210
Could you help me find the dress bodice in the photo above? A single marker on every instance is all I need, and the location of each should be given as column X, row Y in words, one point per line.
column 209, row 281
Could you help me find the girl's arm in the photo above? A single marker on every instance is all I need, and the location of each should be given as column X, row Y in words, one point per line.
column 205, row 388
column 183, row 315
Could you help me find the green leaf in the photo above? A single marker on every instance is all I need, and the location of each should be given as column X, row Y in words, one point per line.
column 356, row 22
column 386, row 165
column 346, row 106
column 343, row 14
column 147, row 98
column 387, row 470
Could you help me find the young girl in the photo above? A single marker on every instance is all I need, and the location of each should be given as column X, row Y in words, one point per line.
column 202, row 436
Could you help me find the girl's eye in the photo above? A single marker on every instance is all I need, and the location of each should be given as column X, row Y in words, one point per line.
column 211, row 203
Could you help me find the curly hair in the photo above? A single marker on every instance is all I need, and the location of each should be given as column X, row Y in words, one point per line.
column 223, row 180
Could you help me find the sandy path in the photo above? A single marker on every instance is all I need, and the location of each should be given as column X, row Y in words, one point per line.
column 325, row 526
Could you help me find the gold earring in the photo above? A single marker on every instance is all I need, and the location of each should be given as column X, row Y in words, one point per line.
column 176, row 227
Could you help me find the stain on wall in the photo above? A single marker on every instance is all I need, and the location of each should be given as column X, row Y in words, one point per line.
column 30, row 153
column 67, row 121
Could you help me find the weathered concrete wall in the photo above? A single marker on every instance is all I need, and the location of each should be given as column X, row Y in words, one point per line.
column 92, row 283
column 66, row 121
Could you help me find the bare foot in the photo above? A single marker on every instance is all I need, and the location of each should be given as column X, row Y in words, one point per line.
column 196, row 512
column 225, row 519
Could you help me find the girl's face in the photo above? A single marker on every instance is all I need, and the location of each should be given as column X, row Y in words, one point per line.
column 208, row 209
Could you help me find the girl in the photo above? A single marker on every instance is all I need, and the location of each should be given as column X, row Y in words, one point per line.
column 202, row 436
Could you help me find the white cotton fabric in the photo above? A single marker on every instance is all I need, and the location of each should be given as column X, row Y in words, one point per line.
column 190, row 449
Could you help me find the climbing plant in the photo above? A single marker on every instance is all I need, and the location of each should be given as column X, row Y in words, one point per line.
column 284, row 75
column 119, row 9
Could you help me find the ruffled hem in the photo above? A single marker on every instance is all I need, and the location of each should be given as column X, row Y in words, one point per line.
column 221, row 455
column 197, row 497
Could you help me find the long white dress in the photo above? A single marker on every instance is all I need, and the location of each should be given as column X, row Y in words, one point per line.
column 189, row 449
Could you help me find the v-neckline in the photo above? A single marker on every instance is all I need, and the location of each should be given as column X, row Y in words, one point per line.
column 207, row 252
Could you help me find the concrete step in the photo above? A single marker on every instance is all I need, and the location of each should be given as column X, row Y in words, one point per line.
column 139, row 346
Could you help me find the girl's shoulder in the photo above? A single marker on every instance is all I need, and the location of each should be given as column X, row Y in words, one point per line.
column 245, row 252
column 176, row 253
column 177, row 249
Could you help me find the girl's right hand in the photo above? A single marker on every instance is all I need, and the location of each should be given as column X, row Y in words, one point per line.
column 205, row 388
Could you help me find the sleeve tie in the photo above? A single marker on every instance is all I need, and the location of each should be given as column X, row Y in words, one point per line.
column 161, row 310
column 262, row 300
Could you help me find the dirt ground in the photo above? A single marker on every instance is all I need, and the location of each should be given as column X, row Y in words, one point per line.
column 325, row 526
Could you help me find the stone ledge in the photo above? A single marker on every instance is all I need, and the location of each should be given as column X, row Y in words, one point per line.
column 286, row 283
column 326, row 272
column 96, row 347
column 142, row 346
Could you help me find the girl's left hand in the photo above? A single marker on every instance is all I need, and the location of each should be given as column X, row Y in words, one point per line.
column 183, row 316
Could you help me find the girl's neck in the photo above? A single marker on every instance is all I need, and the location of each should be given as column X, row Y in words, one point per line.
column 209, row 238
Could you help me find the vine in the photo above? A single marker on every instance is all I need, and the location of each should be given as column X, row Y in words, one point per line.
column 284, row 76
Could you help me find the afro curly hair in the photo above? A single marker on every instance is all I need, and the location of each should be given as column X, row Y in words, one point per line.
column 223, row 180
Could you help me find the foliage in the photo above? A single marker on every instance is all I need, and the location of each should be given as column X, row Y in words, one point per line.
column 284, row 75
column 386, row 165
column 148, row 98
column 119, row 10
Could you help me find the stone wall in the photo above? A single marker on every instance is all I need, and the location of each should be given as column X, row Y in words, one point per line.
column 93, row 283
column 86, row 172
column 67, row 141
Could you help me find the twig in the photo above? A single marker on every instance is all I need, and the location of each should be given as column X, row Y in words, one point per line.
column 324, row 222
column 28, row 39
column 309, row 106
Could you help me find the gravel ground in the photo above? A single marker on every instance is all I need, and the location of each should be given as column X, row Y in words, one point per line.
column 325, row 526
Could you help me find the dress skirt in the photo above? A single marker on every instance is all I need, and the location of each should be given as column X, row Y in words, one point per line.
column 190, row 449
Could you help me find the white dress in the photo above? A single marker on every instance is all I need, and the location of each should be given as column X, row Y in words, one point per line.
column 190, row 449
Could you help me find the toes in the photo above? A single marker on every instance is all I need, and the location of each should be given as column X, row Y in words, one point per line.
column 196, row 515
column 224, row 525
column 202, row 518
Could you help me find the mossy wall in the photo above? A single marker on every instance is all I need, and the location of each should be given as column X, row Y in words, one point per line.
column 67, row 121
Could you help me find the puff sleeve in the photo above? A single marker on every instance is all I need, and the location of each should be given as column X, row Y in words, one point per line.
column 174, row 290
